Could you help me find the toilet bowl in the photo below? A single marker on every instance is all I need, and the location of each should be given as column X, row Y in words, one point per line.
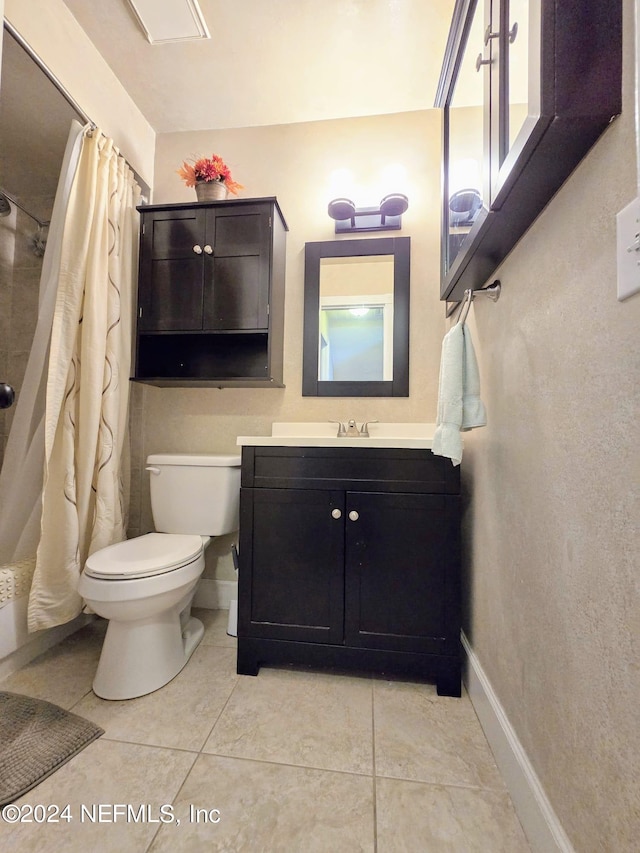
column 145, row 586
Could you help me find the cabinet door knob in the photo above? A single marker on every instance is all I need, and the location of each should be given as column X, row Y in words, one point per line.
column 353, row 515
column 480, row 62
column 208, row 249
column 335, row 513
column 197, row 249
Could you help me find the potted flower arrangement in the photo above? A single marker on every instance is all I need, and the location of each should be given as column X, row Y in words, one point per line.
column 211, row 178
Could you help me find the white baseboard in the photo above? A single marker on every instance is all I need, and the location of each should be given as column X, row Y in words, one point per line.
column 539, row 821
column 214, row 594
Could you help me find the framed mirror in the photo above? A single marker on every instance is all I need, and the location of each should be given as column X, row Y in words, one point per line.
column 356, row 318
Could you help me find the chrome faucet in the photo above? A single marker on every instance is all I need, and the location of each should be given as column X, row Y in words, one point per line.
column 351, row 428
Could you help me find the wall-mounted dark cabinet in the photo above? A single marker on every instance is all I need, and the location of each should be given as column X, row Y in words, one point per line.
column 211, row 294
column 350, row 557
column 527, row 87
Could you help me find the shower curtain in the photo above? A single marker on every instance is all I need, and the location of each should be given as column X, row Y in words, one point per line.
column 85, row 435
column 22, row 470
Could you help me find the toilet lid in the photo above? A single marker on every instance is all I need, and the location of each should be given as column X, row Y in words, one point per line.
column 144, row 556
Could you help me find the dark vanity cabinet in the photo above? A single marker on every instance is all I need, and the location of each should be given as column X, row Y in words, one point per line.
column 211, row 294
column 527, row 87
column 349, row 557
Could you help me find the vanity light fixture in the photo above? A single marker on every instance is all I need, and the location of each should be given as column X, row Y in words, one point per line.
column 170, row 20
column 387, row 217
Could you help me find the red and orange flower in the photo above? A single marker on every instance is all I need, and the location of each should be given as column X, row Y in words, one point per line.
column 209, row 169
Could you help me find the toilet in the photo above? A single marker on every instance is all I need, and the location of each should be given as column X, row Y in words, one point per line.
column 145, row 586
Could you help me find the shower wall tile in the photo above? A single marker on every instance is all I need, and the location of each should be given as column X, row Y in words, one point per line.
column 24, row 308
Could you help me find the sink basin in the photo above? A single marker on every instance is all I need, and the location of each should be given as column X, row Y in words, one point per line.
column 324, row 434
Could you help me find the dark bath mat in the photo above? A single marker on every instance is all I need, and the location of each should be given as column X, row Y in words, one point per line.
column 36, row 738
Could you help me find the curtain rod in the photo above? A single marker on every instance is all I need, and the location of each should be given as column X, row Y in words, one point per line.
column 65, row 93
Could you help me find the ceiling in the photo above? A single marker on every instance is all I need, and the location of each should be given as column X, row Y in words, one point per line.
column 276, row 61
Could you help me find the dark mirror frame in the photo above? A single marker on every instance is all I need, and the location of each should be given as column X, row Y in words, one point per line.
column 400, row 248
column 579, row 71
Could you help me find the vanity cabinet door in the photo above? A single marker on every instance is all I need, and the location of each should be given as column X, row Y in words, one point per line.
column 402, row 577
column 292, row 564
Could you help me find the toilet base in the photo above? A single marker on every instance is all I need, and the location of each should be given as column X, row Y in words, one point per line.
column 140, row 657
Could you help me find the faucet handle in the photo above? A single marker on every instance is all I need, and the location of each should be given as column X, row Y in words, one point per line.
column 364, row 429
column 341, row 428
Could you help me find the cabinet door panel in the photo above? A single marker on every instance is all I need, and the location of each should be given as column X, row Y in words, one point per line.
column 171, row 280
column 235, row 294
column 167, row 305
column 237, row 274
column 401, row 582
column 292, row 559
column 173, row 234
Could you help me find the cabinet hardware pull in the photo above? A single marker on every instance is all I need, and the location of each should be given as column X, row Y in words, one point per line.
column 480, row 62
column 353, row 515
column 208, row 249
column 197, row 249
column 335, row 513
column 513, row 32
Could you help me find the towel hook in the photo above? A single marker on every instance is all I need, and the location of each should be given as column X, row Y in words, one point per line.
column 492, row 291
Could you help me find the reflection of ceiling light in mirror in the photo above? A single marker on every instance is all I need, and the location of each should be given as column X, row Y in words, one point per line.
column 358, row 312
column 170, row 20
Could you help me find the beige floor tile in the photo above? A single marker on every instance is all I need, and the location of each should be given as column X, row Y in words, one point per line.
column 413, row 816
column 215, row 628
column 310, row 719
column 180, row 714
column 63, row 674
column 271, row 808
column 424, row 737
column 105, row 773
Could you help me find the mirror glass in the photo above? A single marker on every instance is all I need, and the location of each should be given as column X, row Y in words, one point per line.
column 466, row 180
column 356, row 319
column 356, row 337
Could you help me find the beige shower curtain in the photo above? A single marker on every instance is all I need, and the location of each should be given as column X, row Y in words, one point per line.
column 84, row 497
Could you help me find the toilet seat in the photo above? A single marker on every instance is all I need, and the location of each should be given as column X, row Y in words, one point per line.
column 144, row 556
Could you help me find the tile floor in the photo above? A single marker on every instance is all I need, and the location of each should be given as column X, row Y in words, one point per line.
column 293, row 760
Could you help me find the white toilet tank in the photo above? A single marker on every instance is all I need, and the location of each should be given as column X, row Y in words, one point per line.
column 197, row 493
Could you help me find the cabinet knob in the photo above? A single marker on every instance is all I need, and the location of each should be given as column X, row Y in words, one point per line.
column 336, row 513
column 480, row 62
column 208, row 250
column 353, row 515
column 197, row 249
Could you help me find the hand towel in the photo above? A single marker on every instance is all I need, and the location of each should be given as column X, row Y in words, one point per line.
column 459, row 403
column 473, row 411
column 447, row 440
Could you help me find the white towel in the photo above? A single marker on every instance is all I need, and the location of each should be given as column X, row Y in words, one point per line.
column 459, row 403
column 473, row 411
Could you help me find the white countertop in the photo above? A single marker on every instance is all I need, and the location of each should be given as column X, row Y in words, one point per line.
column 324, row 434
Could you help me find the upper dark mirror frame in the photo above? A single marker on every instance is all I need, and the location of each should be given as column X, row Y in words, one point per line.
column 400, row 248
column 578, row 69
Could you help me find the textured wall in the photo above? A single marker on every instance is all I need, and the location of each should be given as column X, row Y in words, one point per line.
column 552, row 606
column 295, row 163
